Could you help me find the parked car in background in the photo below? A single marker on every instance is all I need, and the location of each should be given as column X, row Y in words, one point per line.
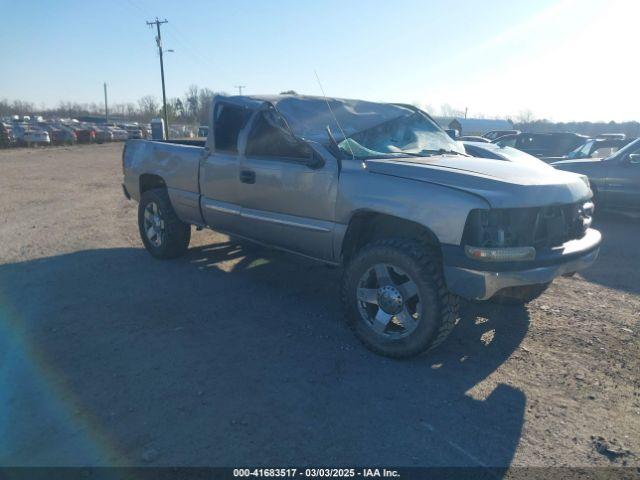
column 7, row 138
column 33, row 137
column 612, row 136
column 495, row 134
column 176, row 132
column 58, row 133
column 543, row 144
column 103, row 134
column 496, row 152
column 203, row 131
column 84, row 134
column 615, row 180
column 135, row 132
column 119, row 134
column 594, row 148
column 18, row 132
column 61, row 135
column 473, row 138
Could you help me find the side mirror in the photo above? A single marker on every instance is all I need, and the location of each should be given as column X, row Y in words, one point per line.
column 634, row 159
column 334, row 148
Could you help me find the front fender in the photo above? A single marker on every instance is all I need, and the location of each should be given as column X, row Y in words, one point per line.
column 441, row 209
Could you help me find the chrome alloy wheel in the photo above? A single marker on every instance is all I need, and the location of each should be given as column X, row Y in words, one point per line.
column 388, row 301
column 153, row 224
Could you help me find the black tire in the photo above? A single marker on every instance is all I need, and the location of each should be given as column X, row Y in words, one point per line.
column 519, row 295
column 597, row 208
column 174, row 235
column 438, row 308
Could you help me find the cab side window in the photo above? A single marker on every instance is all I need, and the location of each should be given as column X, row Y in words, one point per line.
column 507, row 142
column 229, row 120
column 269, row 139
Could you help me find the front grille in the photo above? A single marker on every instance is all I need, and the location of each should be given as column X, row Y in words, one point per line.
column 558, row 224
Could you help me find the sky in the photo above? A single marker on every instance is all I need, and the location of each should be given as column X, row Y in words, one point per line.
column 559, row 59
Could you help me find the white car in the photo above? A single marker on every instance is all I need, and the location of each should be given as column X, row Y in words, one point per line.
column 119, row 134
column 36, row 137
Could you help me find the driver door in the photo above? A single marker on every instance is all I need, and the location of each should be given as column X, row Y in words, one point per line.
column 287, row 190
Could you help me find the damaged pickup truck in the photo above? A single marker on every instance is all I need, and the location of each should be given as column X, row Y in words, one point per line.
column 379, row 189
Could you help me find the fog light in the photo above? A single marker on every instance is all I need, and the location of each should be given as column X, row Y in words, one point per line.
column 511, row 254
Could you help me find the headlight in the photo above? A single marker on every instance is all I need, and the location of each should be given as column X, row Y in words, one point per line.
column 585, row 215
column 494, row 228
column 496, row 235
column 587, row 209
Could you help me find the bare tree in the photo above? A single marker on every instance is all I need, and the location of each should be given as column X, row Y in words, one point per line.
column 205, row 99
column 525, row 116
column 149, row 107
column 191, row 100
column 447, row 110
column 130, row 110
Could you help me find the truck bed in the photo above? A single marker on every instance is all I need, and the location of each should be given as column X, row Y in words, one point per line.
column 172, row 163
column 185, row 141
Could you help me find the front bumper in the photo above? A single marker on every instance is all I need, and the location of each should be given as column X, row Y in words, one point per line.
column 476, row 280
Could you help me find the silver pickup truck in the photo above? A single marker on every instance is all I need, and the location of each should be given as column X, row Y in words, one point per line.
column 379, row 189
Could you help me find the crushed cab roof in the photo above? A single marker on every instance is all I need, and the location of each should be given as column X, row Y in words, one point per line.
column 309, row 116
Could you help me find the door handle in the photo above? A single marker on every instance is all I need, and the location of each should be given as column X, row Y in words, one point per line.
column 247, row 176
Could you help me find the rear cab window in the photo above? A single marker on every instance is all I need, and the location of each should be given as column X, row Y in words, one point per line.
column 229, row 120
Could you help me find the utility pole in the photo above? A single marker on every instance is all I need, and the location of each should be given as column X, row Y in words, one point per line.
column 157, row 23
column 106, row 105
column 466, row 109
column 240, row 87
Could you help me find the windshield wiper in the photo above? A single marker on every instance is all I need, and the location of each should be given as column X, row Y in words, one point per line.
column 442, row 151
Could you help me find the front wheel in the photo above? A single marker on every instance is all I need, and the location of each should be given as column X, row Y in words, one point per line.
column 164, row 235
column 396, row 300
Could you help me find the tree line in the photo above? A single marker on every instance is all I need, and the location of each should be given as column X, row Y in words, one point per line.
column 192, row 108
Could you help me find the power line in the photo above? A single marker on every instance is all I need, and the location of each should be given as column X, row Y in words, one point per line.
column 240, row 87
column 197, row 61
column 157, row 23
column 199, row 57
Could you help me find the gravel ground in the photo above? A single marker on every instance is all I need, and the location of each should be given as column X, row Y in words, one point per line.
column 238, row 355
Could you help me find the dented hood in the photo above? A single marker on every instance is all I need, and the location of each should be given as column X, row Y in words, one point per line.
column 501, row 184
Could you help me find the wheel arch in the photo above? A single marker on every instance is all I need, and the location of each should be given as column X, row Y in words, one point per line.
column 148, row 181
column 366, row 226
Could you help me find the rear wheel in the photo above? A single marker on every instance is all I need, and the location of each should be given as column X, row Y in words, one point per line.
column 519, row 295
column 396, row 299
column 164, row 235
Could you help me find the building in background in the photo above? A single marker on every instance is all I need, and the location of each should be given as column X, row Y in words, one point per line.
column 474, row 126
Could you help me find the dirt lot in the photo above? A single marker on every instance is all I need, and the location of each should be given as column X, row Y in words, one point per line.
column 237, row 355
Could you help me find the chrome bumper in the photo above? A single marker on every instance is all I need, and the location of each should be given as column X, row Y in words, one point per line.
column 572, row 257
